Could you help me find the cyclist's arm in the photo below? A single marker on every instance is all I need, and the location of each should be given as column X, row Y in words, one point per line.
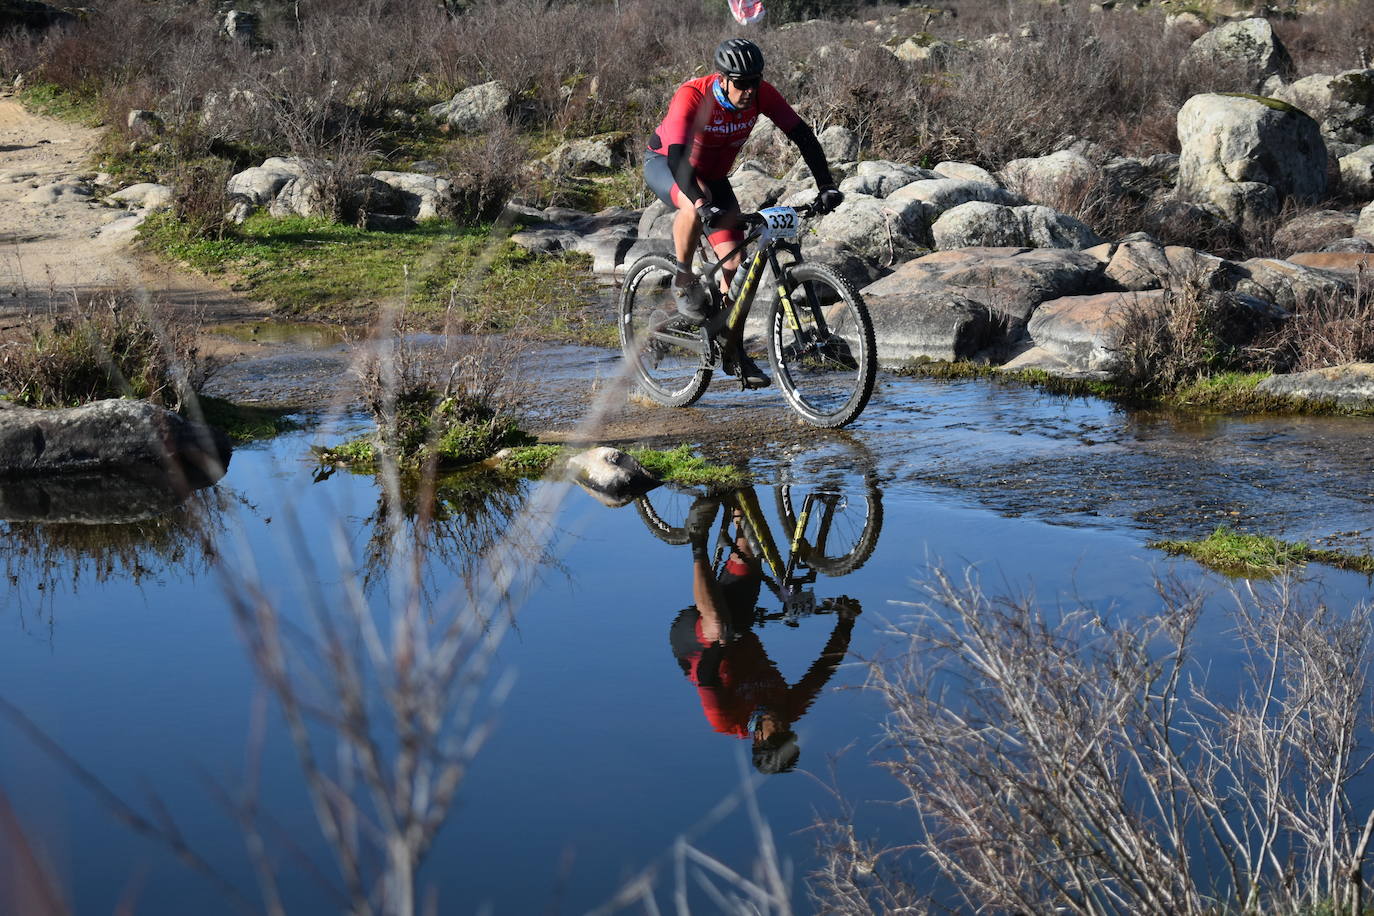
column 812, row 154
column 684, row 173
column 676, row 134
column 801, row 695
column 772, row 104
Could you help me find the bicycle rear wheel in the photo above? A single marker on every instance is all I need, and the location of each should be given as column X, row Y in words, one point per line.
column 825, row 366
column 668, row 354
column 665, row 512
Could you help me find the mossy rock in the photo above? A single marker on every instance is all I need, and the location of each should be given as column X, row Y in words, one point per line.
column 1276, row 104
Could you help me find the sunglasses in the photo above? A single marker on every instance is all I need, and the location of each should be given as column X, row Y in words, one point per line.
column 746, row 82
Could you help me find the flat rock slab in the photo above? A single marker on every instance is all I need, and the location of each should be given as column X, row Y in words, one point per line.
column 1350, row 386
column 1085, row 331
column 106, row 435
column 912, row 321
column 1010, row 281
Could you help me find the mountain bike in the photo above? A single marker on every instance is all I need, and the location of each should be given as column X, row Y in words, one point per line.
column 817, row 332
column 828, row 526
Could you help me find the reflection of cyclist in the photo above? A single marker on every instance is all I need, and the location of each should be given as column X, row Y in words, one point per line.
column 690, row 155
column 742, row 692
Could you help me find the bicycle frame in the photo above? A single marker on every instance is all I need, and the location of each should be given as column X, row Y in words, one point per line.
column 796, row 601
column 764, row 256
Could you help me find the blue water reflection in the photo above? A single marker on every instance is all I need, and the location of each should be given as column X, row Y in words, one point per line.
column 602, row 753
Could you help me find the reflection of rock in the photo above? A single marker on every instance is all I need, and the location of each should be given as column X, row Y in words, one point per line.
column 610, row 475
column 105, row 498
column 105, row 435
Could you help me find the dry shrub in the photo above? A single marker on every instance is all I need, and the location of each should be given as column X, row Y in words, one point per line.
column 1195, row 332
column 422, row 422
column 113, row 346
column 1075, row 762
column 1329, row 330
column 201, row 201
column 486, row 171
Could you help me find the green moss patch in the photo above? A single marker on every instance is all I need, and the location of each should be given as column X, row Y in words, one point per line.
column 465, row 277
column 681, row 465
column 1234, row 553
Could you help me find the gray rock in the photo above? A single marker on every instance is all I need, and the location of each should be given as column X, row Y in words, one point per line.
column 590, row 155
column 1010, row 281
column 240, row 25
column 880, row 177
column 1364, row 225
column 1342, row 104
column 1313, row 231
column 144, row 196
column 1229, row 139
column 920, row 50
column 978, row 224
column 261, row 185
column 755, row 188
column 884, row 230
column 911, row 321
column 144, row 123
column 1045, row 228
column 610, row 475
column 420, row 196
column 1245, row 203
column 965, row 171
column 1141, row 263
column 1085, row 331
column 1350, row 386
column 474, row 107
column 1051, row 179
column 1350, row 245
column 105, row 435
column 300, row 197
column 1357, row 173
column 940, row 194
column 840, row 144
column 122, row 231
column 1347, row 263
column 1249, row 44
column 65, row 191
column 1287, row 284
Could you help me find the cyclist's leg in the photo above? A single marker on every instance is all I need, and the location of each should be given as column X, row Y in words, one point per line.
column 686, row 225
column 729, row 233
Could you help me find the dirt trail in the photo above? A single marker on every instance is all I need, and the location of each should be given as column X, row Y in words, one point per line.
column 50, row 216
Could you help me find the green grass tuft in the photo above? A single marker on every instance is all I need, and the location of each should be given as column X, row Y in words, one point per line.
column 532, row 460
column 681, row 465
column 55, row 102
column 464, row 276
column 1234, row 553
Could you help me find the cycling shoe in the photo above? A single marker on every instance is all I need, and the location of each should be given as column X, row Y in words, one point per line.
column 746, row 369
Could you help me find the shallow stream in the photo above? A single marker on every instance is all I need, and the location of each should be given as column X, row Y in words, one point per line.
column 121, row 648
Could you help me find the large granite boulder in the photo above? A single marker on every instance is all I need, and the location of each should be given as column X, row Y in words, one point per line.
column 1051, row 179
column 1044, row 227
column 590, row 155
column 475, row 107
column 1011, row 282
column 1364, row 224
column 880, row 177
column 940, row 194
column 885, row 230
column 106, row 435
column 912, row 320
column 978, row 223
column 418, row 196
column 1343, row 104
column 1139, row 262
column 1288, row 285
column 1313, row 231
column 1084, row 332
column 964, row 171
column 1249, row 46
column 1243, row 140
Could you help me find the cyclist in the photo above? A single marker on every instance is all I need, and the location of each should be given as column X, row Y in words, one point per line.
column 690, row 156
column 741, row 690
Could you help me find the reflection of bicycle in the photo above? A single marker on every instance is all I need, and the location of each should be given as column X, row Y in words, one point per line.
column 817, row 332
column 827, row 532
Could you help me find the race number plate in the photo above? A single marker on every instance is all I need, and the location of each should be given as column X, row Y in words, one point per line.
column 780, row 223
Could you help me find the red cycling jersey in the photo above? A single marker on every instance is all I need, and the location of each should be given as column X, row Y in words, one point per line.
column 716, row 133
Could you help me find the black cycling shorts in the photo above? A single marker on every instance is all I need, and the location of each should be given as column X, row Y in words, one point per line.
column 660, row 180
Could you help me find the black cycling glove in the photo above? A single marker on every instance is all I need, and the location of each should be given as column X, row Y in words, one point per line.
column 711, row 216
column 828, row 199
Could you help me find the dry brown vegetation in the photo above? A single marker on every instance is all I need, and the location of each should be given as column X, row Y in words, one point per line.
column 1071, row 762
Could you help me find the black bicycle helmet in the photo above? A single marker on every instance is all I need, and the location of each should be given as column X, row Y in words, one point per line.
column 739, row 57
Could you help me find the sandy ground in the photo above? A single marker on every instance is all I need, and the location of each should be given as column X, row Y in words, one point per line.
column 49, row 253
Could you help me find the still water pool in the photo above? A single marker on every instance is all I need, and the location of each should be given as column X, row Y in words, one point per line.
column 136, row 714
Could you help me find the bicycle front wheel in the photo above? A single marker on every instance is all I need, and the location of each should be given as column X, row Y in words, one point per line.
column 826, row 361
column 669, row 355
